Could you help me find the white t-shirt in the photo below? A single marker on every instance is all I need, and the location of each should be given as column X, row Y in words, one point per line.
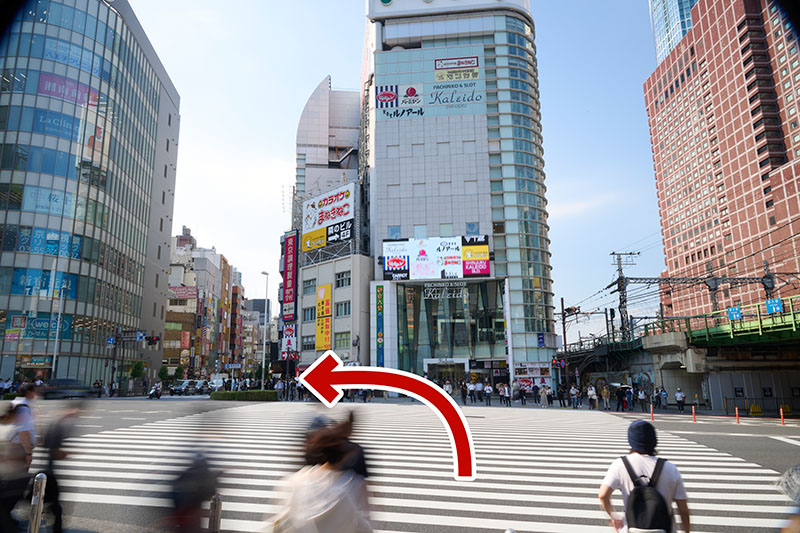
column 471, row 386
column 26, row 420
column 642, row 395
column 479, row 387
column 670, row 482
column 488, row 389
column 679, row 396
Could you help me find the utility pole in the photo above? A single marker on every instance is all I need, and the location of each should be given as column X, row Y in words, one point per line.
column 266, row 319
column 58, row 327
column 564, row 324
column 622, row 288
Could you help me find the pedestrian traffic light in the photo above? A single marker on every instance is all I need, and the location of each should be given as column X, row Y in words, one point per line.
column 555, row 362
column 106, row 363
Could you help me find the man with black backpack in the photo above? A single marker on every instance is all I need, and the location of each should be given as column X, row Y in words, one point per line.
column 648, row 484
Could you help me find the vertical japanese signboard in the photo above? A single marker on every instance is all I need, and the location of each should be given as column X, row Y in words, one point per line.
column 323, row 338
column 379, row 324
column 289, row 275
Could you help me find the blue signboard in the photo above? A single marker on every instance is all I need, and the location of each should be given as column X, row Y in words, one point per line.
column 140, row 335
column 540, row 337
column 110, row 341
column 774, row 305
column 734, row 313
column 232, row 366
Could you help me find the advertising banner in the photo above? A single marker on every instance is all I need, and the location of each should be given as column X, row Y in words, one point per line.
column 289, row 341
column 456, row 68
column 66, row 89
column 436, row 258
column 323, row 339
column 324, row 300
column 189, row 293
column 379, row 324
column 396, row 259
column 186, row 339
column 315, row 239
column 289, row 274
column 333, row 208
column 475, row 255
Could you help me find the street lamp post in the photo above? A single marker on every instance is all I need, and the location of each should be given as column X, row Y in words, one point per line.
column 264, row 348
column 58, row 328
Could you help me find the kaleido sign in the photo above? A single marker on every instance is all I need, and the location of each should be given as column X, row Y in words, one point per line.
column 436, row 258
column 444, row 290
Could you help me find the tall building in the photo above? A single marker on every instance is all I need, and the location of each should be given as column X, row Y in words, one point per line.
column 722, row 109
column 670, row 20
column 89, row 124
column 451, row 149
column 325, row 263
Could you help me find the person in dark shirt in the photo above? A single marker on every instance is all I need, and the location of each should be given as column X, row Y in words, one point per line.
column 54, row 441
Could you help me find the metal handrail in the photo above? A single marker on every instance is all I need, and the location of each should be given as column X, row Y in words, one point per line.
column 37, row 503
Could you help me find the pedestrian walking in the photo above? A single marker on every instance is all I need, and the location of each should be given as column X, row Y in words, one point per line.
column 464, row 392
column 629, row 399
column 479, row 390
column 606, row 394
column 549, row 396
column 620, row 399
column 279, row 389
column 54, row 440
column 26, row 422
column 642, row 396
column 655, row 399
column 487, row 393
column 471, row 390
column 523, row 395
column 680, row 398
column 13, row 467
column 635, row 475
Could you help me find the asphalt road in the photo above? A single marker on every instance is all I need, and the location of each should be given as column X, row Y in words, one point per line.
column 538, row 468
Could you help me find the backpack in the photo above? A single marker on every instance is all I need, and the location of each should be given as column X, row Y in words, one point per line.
column 646, row 507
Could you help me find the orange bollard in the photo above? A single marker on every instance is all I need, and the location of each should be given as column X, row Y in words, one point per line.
column 694, row 415
column 737, row 415
column 651, row 413
column 782, row 423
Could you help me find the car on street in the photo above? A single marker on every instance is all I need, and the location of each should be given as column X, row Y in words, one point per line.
column 60, row 389
column 217, row 385
column 184, row 387
column 204, row 387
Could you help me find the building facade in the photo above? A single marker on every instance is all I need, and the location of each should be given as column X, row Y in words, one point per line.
column 89, row 124
column 723, row 120
column 452, row 153
column 670, row 20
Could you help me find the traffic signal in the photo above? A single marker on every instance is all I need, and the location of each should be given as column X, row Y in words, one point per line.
column 555, row 361
column 152, row 341
column 106, row 363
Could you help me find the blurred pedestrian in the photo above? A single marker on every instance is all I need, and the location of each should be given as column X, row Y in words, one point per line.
column 664, row 398
column 629, row 399
column 573, row 396
column 329, row 495
column 523, row 395
column 535, row 394
column 642, row 396
column 620, row 399
column 26, row 432
column 479, row 390
column 464, row 392
column 54, row 439
column 13, row 467
column 279, row 388
column 471, row 390
column 549, row 396
column 789, row 484
column 448, row 387
column 591, row 394
column 561, row 392
column 543, row 396
column 633, row 473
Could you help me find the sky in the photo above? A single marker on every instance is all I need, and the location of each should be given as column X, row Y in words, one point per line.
column 244, row 77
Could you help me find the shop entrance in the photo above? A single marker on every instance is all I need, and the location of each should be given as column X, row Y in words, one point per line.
column 441, row 371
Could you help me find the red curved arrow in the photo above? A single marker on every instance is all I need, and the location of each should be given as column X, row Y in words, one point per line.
column 327, row 377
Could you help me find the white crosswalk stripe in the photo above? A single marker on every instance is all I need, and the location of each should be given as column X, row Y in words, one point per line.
column 538, row 470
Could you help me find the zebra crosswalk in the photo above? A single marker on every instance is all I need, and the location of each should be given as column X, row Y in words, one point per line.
column 538, row 470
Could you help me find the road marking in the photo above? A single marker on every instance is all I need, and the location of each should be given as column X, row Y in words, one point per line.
column 86, row 426
column 132, row 418
column 786, row 440
column 91, row 417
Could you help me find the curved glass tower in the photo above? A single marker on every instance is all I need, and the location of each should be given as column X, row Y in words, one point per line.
column 88, row 129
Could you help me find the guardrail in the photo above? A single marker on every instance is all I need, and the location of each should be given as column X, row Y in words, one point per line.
column 762, row 406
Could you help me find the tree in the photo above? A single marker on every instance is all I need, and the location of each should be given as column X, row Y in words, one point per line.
column 137, row 371
column 179, row 372
column 163, row 373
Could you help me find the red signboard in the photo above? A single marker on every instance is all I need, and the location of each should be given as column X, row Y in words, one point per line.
column 289, row 271
column 184, row 292
column 186, row 339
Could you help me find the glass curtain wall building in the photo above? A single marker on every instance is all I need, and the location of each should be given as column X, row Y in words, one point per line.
column 455, row 167
column 87, row 115
column 670, row 20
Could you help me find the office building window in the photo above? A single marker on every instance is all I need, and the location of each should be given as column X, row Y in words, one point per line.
column 343, row 308
column 309, row 286
column 342, row 279
column 342, row 340
column 393, row 232
column 420, row 231
column 309, row 314
column 309, row 343
column 445, row 230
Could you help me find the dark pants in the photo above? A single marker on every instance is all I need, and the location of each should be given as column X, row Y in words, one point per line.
column 620, row 404
column 680, row 406
column 464, row 397
column 488, row 399
column 523, row 398
column 644, row 405
column 472, row 396
column 561, row 401
column 11, row 492
column 51, row 496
